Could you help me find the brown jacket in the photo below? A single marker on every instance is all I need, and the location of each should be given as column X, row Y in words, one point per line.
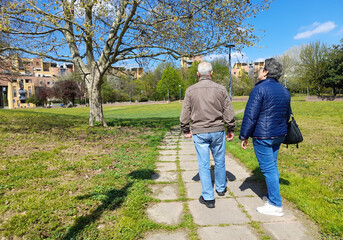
column 208, row 107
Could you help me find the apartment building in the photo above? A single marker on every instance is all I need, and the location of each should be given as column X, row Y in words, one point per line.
column 186, row 62
column 239, row 68
column 20, row 78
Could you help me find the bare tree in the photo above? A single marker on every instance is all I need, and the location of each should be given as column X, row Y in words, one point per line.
column 95, row 34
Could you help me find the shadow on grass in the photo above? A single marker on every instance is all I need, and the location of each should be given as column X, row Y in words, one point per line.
column 257, row 183
column 144, row 122
column 113, row 200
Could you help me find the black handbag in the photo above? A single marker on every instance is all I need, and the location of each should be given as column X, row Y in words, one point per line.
column 294, row 135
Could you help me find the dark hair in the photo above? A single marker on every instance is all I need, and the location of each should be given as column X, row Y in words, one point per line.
column 273, row 67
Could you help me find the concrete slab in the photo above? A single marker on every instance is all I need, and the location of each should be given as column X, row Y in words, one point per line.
column 171, row 139
column 190, row 176
column 225, row 212
column 187, row 151
column 237, row 171
column 193, row 190
column 168, row 147
column 166, row 212
column 185, row 144
column 168, row 152
column 242, row 188
column 167, row 236
column 165, row 191
column 166, row 166
column 170, row 158
column 189, row 165
column 287, row 230
column 251, row 203
column 165, row 177
column 229, row 232
column 192, row 157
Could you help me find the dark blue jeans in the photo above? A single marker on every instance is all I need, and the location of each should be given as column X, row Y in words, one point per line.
column 266, row 151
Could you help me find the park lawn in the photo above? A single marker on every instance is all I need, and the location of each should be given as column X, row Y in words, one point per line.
column 311, row 176
column 61, row 179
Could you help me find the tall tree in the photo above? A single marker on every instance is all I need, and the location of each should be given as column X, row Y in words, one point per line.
column 170, row 84
column 96, row 34
column 334, row 68
column 312, row 63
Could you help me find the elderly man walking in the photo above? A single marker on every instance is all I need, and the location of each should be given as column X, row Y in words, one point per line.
column 206, row 111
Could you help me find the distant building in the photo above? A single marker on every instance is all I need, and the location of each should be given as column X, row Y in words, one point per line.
column 239, row 68
column 186, row 62
column 134, row 72
column 26, row 75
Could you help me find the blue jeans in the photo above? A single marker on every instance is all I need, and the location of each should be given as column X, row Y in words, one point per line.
column 203, row 143
column 266, row 151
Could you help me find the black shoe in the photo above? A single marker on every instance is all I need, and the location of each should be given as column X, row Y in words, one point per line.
column 208, row 203
column 221, row 193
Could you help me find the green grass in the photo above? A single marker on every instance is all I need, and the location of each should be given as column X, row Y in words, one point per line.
column 60, row 179
column 312, row 175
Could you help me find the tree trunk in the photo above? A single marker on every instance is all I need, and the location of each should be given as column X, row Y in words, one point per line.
column 95, row 101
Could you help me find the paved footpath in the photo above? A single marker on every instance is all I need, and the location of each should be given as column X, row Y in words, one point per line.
column 234, row 216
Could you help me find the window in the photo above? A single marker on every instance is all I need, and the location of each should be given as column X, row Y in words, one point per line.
column 40, row 82
column 14, row 92
column 48, row 82
column 30, row 92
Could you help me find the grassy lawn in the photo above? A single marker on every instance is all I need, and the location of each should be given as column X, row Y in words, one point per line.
column 61, row 179
column 312, row 175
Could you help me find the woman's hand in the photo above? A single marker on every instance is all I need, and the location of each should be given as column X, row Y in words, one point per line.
column 244, row 144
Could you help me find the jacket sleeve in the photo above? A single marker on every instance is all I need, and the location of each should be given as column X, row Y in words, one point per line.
column 228, row 113
column 185, row 116
column 251, row 113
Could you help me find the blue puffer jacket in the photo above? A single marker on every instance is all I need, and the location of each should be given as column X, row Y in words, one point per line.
column 267, row 112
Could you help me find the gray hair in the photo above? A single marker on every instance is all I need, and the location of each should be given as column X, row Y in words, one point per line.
column 204, row 68
column 273, row 67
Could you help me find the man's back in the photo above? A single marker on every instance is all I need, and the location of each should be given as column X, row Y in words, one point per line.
column 208, row 106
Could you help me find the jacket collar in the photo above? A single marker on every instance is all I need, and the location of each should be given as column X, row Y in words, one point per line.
column 205, row 77
column 267, row 80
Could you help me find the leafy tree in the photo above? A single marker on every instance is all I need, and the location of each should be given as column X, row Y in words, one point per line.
column 334, row 68
column 192, row 73
column 242, row 85
column 169, row 84
column 221, row 71
column 292, row 76
column 66, row 90
column 312, row 65
column 97, row 34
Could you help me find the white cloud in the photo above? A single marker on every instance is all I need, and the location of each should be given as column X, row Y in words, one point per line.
column 340, row 32
column 315, row 28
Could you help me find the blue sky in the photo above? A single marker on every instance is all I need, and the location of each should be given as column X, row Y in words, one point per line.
column 294, row 22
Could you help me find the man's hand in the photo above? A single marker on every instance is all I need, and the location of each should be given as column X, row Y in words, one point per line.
column 229, row 136
column 188, row 135
column 244, row 144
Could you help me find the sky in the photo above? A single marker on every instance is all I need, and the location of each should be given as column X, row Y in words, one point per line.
column 291, row 23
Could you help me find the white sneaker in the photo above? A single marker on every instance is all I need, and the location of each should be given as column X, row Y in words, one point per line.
column 269, row 209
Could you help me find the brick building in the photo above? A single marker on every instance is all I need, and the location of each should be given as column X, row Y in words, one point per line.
column 21, row 78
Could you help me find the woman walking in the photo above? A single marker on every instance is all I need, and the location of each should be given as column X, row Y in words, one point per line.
column 265, row 120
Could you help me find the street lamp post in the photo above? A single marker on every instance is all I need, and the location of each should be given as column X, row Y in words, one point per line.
column 168, row 94
column 179, row 93
column 230, row 46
